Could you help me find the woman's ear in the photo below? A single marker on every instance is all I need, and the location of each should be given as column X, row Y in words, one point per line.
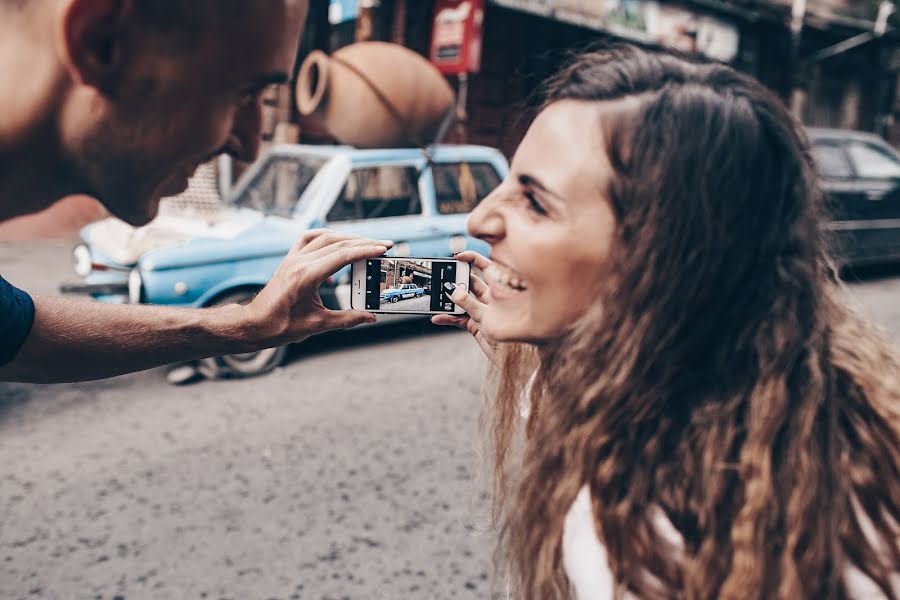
column 94, row 41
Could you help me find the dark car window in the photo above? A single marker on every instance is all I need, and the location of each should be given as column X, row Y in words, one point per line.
column 461, row 186
column 831, row 161
column 376, row 193
column 280, row 184
column 872, row 161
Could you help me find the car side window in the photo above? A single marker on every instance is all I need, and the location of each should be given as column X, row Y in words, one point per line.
column 831, row 161
column 461, row 186
column 873, row 162
column 377, row 193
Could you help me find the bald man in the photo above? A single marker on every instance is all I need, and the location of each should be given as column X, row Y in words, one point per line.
column 122, row 100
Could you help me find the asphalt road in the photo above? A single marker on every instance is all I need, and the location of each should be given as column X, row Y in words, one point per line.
column 349, row 473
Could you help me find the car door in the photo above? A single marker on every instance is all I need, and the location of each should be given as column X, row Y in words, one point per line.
column 877, row 170
column 383, row 200
column 844, row 202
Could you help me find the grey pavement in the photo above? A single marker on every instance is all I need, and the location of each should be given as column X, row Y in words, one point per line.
column 349, row 473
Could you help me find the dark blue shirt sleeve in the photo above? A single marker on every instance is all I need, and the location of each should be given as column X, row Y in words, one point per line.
column 16, row 319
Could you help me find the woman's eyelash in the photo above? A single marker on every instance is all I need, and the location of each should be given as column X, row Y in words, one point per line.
column 533, row 203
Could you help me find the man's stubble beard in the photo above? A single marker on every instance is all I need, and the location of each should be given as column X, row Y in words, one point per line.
column 111, row 174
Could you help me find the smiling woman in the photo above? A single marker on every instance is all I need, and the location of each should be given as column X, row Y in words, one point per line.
column 706, row 417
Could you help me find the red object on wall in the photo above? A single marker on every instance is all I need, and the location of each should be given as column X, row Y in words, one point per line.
column 457, row 36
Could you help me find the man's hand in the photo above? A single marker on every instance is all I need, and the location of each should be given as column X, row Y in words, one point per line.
column 289, row 309
column 77, row 340
column 473, row 303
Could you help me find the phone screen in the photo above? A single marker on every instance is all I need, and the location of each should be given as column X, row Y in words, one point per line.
column 410, row 285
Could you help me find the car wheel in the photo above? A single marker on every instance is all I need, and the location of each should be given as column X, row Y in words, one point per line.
column 251, row 363
column 394, row 299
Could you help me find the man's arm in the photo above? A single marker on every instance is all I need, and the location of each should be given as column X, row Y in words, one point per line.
column 80, row 340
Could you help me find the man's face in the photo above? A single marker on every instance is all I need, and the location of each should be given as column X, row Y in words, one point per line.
column 178, row 103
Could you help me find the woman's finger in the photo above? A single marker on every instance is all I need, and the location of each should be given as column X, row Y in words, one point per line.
column 473, row 258
column 478, row 287
column 468, row 302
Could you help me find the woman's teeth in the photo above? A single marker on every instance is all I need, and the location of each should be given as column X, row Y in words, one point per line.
column 500, row 276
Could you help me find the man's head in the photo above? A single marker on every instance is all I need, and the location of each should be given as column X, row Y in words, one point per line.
column 147, row 90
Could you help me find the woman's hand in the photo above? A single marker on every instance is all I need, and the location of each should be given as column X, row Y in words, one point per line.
column 474, row 301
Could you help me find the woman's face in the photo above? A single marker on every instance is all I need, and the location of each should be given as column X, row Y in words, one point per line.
column 549, row 225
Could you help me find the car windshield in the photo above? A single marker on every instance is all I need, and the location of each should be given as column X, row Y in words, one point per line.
column 280, row 184
column 873, row 162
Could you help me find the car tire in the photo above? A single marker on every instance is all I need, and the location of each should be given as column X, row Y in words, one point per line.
column 394, row 299
column 250, row 364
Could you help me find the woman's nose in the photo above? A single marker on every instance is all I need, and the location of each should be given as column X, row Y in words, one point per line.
column 485, row 221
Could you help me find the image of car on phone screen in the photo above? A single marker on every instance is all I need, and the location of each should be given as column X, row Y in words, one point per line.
column 403, row 285
column 405, row 291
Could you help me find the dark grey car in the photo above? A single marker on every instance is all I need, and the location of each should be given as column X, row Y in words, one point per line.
column 860, row 174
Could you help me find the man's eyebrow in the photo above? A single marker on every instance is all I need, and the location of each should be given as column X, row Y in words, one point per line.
column 532, row 182
column 262, row 81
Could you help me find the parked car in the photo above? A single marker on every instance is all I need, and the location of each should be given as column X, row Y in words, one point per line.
column 860, row 174
column 418, row 198
column 404, row 291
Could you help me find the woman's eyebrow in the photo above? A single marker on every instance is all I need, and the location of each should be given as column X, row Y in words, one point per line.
column 533, row 182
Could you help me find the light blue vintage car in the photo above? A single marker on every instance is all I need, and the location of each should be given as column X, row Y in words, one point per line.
column 419, row 198
column 406, row 290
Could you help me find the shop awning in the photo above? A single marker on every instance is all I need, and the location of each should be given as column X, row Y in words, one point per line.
column 646, row 21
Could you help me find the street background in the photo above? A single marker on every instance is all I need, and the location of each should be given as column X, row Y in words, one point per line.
column 351, row 472
column 348, row 473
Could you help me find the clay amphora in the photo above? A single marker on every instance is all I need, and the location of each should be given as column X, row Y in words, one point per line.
column 374, row 95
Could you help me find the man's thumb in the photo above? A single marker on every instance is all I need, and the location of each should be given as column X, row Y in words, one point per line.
column 355, row 318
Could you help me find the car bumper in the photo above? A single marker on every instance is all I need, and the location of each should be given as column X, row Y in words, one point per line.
column 94, row 289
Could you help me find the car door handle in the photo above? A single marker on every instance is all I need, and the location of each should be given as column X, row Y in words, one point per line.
column 875, row 195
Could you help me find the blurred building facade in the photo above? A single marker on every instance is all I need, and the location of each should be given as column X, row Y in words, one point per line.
column 524, row 41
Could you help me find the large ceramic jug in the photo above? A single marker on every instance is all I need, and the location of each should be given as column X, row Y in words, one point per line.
column 374, row 95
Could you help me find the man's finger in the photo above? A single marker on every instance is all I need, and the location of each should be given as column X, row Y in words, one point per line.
column 306, row 237
column 468, row 302
column 323, row 238
column 450, row 321
column 336, row 259
column 345, row 319
column 341, row 247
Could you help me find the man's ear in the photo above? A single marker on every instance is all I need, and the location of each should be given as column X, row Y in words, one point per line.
column 94, row 39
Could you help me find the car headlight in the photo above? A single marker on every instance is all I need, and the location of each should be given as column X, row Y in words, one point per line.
column 135, row 286
column 82, row 260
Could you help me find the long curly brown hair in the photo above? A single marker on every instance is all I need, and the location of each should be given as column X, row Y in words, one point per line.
column 721, row 375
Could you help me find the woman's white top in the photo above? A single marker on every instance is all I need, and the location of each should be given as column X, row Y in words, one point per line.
column 587, row 565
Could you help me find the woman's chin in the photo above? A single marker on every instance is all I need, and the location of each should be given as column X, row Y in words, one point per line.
column 508, row 330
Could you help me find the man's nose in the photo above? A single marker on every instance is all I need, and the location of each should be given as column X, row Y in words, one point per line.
column 485, row 221
column 245, row 137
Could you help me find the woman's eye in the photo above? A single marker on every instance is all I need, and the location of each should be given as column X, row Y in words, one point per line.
column 534, row 204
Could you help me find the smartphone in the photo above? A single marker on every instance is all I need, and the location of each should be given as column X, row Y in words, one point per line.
column 418, row 286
